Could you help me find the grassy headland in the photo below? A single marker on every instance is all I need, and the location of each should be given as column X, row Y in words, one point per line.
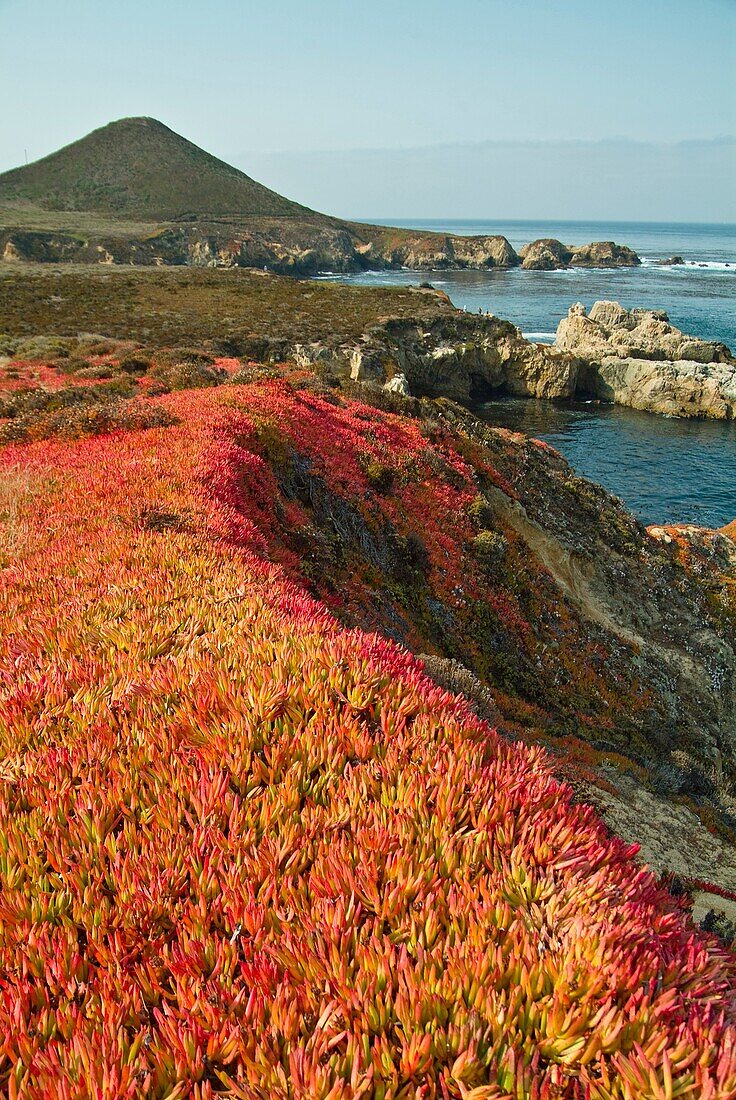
column 167, row 306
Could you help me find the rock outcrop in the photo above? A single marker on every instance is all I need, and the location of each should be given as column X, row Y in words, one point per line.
column 286, row 246
column 604, row 254
column 434, row 251
column 637, row 358
column 300, row 246
column 633, row 358
column 464, row 357
column 549, row 254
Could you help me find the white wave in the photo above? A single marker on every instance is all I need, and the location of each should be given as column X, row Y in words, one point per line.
column 712, row 265
column 542, row 337
column 707, row 265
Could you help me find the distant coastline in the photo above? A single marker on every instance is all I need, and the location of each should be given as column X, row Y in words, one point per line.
column 699, row 299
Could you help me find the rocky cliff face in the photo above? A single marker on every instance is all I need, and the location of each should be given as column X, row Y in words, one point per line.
column 300, row 246
column 433, row 252
column 637, row 358
column 616, row 645
column 285, row 246
column 459, row 356
column 613, row 355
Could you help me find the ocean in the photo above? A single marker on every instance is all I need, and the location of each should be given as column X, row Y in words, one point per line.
column 699, row 296
column 665, row 470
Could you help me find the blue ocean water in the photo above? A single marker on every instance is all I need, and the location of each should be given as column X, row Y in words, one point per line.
column 699, row 296
column 665, row 470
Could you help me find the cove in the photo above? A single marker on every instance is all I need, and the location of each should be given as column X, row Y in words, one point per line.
column 665, row 470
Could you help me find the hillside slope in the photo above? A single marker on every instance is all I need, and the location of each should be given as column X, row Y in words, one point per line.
column 249, row 851
column 134, row 192
column 138, row 168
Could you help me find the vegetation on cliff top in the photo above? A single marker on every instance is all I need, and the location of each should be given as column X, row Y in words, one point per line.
column 246, row 851
column 173, row 306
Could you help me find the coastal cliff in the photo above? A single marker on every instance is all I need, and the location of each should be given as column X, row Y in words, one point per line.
column 286, row 246
column 521, row 585
column 300, row 246
column 276, row 667
column 308, row 686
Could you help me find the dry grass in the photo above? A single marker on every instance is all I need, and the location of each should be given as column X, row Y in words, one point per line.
column 164, row 307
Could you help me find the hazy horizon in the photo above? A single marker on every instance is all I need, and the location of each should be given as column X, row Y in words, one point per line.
column 614, row 180
column 402, row 108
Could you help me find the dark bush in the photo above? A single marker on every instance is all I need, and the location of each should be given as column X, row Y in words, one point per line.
column 134, row 364
column 101, row 371
column 186, row 375
column 34, row 400
column 71, row 365
column 417, row 553
column 380, row 477
column 83, row 420
column 155, row 517
column 176, row 357
column 490, row 549
column 481, row 512
column 719, row 925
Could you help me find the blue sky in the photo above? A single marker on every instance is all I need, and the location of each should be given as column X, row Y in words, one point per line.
column 249, row 80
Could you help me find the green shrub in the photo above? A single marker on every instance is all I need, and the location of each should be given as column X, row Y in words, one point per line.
column 186, row 375
column 176, row 357
column 134, row 364
column 101, row 371
column 35, row 400
column 380, row 477
column 70, row 364
column 75, row 422
column 490, row 549
column 481, row 512
column 49, row 348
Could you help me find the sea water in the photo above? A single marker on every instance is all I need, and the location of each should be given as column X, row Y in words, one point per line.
column 699, row 295
column 665, row 470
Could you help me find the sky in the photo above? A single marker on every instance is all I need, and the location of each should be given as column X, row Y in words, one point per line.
column 397, row 107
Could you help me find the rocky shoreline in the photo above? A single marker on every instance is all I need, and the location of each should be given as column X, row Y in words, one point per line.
column 301, row 247
column 632, row 358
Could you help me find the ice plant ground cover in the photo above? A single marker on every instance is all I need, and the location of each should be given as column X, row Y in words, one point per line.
column 245, row 851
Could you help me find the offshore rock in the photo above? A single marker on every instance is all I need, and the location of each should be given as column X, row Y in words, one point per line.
column 435, row 251
column 549, row 254
column 637, row 358
column 604, row 254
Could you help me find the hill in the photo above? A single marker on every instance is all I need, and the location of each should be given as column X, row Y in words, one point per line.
column 135, row 192
column 138, row 168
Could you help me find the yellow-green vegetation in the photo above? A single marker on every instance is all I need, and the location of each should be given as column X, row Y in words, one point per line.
column 177, row 306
